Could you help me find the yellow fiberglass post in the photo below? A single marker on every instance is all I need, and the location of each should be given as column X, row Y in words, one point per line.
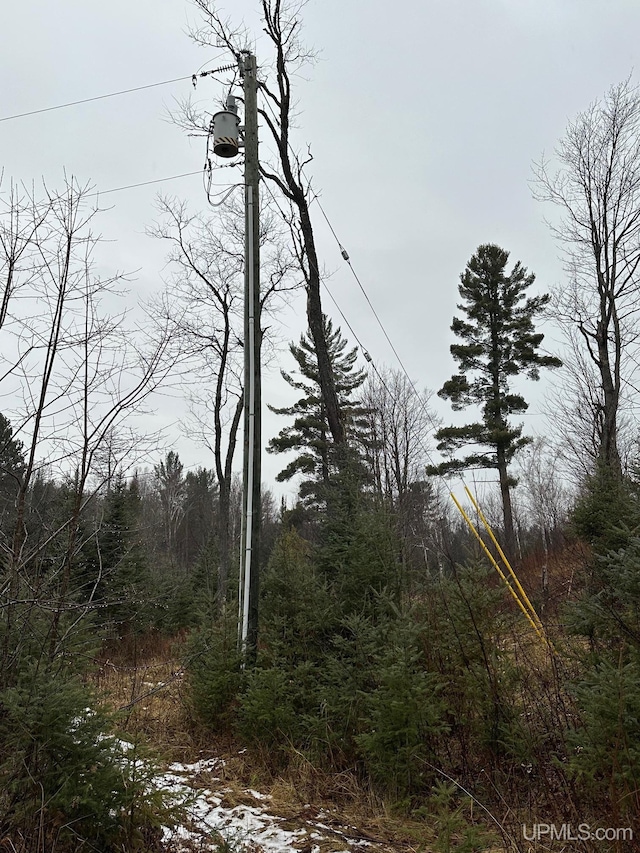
column 472, row 527
column 519, row 586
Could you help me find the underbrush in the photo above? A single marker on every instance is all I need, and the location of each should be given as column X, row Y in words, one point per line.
column 142, row 681
column 488, row 772
column 69, row 780
column 163, row 719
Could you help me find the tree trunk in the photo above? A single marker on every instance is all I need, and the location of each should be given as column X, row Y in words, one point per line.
column 316, row 325
column 505, row 491
column 224, row 486
column 609, row 454
column 224, row 546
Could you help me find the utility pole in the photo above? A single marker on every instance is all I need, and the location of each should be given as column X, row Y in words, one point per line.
column 224, row 129
column 251, row 511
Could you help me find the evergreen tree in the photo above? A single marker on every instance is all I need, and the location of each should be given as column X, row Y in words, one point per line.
column 12, row 466
column 197, row 525
column 114, row 569
column 604, row 757
column 310, row 434
column 498, row 342
column 358, row 551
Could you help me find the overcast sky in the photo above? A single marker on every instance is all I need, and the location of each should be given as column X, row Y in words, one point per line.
column 424, row 117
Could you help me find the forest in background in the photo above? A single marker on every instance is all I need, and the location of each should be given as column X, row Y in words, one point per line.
column 391, row 661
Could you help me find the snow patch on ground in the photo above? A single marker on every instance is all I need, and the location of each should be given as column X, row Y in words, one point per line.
column 241, row 828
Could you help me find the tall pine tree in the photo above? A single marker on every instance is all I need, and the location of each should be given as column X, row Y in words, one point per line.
column 309, row 434
column 498, row 342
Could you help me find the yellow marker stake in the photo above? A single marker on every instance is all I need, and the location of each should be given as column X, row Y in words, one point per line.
column 473, row 529
column 504, row 559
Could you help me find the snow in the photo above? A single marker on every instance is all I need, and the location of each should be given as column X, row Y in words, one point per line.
column 242, row 827
column 205, row 766
column 257, row 795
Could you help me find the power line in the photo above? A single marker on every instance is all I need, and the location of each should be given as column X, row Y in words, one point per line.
column 346, row 257
column 192, row 77
column 158, row 180
column 364, row 351
column 143, row 184
column 95, row 98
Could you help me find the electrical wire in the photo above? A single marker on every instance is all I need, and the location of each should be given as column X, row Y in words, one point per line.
column 192, row 77
column 346, row 257
column 225, row 193
column 142, row 184
column 365, row 352
column 95, row 98
column 158, row 180
column 207, row 175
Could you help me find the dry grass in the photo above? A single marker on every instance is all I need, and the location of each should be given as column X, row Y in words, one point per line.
column 144, row 682
column 146, row 686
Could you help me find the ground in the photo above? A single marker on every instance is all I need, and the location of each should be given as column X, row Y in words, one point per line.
column 235, row 801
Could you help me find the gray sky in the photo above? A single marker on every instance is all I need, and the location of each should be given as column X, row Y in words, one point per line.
column 423, row 115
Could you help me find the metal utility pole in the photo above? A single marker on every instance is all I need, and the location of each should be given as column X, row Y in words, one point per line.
column 251, row 511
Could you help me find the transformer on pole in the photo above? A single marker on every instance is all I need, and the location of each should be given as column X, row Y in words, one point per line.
column 225, row 130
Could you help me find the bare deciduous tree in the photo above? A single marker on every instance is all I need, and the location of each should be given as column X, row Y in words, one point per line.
column 401, row 424
column 597, row 190
column 282, row 24
column 20, row 220
column 203, row 305
column 78, row 374
column 544, row 495
column 574, row 409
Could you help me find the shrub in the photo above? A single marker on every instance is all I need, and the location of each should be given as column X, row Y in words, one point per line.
column 63, row 780
column 215, row 675
column 605, row 754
